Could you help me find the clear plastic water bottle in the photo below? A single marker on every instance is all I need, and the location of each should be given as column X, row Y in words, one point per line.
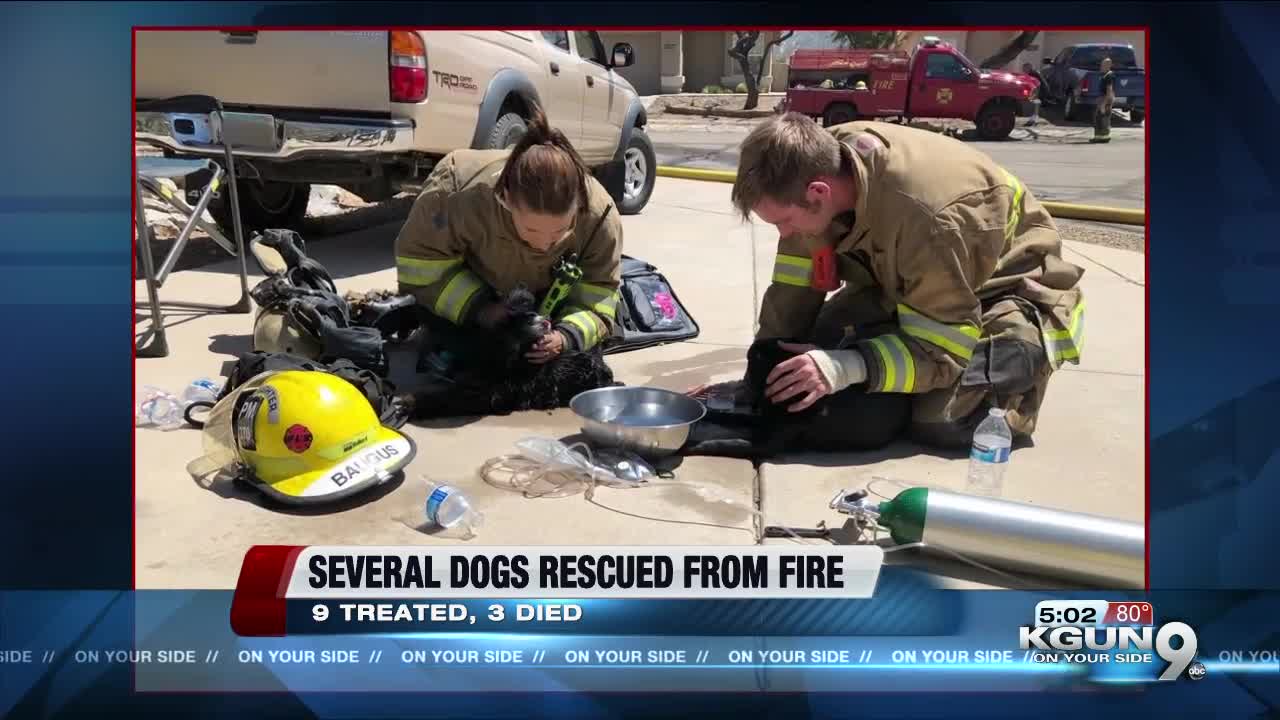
column 448, row 508
column 201, row 390
column 157, row 407
column 989, row 457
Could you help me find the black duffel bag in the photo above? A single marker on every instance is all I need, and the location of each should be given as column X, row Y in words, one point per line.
column 649, row 311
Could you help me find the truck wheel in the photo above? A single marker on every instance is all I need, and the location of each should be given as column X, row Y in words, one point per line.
column 1137, row 116
column 839, row 114
column 640, row 170
column 263, row 205
column 995, row 122
column 507, row 131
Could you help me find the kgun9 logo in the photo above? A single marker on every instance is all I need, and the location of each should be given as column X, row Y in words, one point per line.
column 1073, row 643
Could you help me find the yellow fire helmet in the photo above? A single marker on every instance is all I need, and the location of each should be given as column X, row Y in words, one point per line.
column 303, row 437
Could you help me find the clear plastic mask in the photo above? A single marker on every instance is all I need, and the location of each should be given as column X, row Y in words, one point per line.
column 218, row 439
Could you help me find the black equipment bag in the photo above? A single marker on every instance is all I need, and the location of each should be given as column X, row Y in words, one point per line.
column 649, row 312
column 307, row 294
column 379, row 391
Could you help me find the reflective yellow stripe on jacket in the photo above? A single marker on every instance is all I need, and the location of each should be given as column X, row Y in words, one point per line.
column 457, row 295
column 1015, row 212
column 959, row 339
column 1064, row 345
column 597, row 298
column 585, row 324
column 459, row 284
column 412, row 271
column 899, row 366
column 792, row 270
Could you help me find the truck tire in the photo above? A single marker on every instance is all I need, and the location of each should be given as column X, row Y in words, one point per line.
column 996, row 121
column 839, row 114
column 507, row 131
column 263, row 205
column 1137, row 116
column 640, row 171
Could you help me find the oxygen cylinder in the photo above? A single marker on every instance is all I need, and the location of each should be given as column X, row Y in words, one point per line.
column 1020, row 537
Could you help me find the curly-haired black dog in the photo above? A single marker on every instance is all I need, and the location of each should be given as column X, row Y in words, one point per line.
column 850, row 420
column 487, row 373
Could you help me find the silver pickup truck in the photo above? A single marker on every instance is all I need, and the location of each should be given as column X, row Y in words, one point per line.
column 372, row 111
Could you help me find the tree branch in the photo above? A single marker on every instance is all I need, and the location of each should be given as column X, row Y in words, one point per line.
column 1011, row 50
column 767, row 48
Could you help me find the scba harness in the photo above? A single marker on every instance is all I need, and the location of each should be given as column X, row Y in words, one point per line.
column 301, row 302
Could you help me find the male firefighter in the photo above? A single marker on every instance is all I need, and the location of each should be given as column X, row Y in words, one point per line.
column 955, row 292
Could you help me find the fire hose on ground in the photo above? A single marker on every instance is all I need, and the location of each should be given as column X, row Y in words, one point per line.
column 1071, row 211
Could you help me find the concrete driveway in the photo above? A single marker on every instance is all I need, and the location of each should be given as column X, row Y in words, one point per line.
column 1088, row 454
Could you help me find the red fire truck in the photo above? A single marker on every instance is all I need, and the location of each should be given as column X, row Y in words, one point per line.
column 934, row 81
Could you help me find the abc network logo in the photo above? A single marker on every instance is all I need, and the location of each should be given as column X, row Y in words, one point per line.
column 1094, row 645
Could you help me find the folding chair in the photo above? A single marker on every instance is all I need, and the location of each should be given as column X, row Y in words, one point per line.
column 150, row 173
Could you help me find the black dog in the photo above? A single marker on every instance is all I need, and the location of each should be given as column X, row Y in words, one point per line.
column 484, row 372
column 850, row 420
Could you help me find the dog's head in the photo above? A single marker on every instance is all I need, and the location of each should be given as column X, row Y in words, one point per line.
column 762, row 357
column 525, row 325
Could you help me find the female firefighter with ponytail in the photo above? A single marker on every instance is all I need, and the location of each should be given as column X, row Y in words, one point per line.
column 489, row 221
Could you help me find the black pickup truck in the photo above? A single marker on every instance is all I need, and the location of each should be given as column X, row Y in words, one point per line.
column 1073, row 78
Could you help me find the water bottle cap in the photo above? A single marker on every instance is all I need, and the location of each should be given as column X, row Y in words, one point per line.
column 996, row 412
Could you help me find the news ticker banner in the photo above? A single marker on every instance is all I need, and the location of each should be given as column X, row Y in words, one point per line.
column 777, row 618
column 920, row 638
column 562, row 613
column 297, row 590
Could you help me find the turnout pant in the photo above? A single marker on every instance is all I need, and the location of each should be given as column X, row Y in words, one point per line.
column 1009, row 368
column 1102, row 121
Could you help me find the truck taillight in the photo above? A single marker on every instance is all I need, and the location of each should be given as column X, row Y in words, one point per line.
column 1084, row 85
column 408, row 67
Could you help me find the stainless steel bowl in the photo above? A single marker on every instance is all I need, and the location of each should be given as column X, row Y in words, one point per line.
column 649, row 421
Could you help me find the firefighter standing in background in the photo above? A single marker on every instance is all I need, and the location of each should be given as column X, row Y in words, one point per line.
column 955, row 291
column 1102, row 111
column 490, row 220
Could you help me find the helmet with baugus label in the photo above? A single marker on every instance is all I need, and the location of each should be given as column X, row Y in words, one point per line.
column 302, row 437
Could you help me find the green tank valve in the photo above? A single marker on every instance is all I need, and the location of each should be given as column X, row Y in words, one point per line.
column 904, row 516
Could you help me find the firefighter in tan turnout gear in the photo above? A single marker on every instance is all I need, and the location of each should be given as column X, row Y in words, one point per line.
column 954, row 293
column 491, row 220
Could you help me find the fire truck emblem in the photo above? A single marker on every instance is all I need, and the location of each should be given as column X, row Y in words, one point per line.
column 944, row 96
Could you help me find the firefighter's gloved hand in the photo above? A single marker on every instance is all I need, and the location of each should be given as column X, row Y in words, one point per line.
column 797, row 379
column 492, row 315
column 840, row 368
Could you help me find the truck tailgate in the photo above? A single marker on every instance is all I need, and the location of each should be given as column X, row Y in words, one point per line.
column 269, row 68
column 1130, row 83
